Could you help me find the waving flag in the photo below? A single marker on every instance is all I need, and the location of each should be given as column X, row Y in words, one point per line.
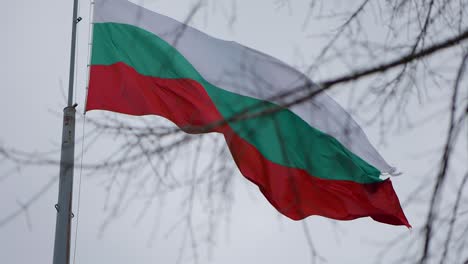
column 309, row 159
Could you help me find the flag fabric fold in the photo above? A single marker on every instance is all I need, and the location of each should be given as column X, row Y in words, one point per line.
column 309, row 159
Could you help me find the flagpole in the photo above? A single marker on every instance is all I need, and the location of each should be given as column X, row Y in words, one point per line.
column 64, row 204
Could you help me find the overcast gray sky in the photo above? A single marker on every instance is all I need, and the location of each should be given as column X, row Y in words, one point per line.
column 34, row 48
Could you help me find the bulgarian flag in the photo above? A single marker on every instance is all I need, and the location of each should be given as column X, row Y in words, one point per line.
column 309, row 159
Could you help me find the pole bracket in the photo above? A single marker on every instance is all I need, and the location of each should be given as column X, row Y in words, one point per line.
column 78, row 19
column 57, row 207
